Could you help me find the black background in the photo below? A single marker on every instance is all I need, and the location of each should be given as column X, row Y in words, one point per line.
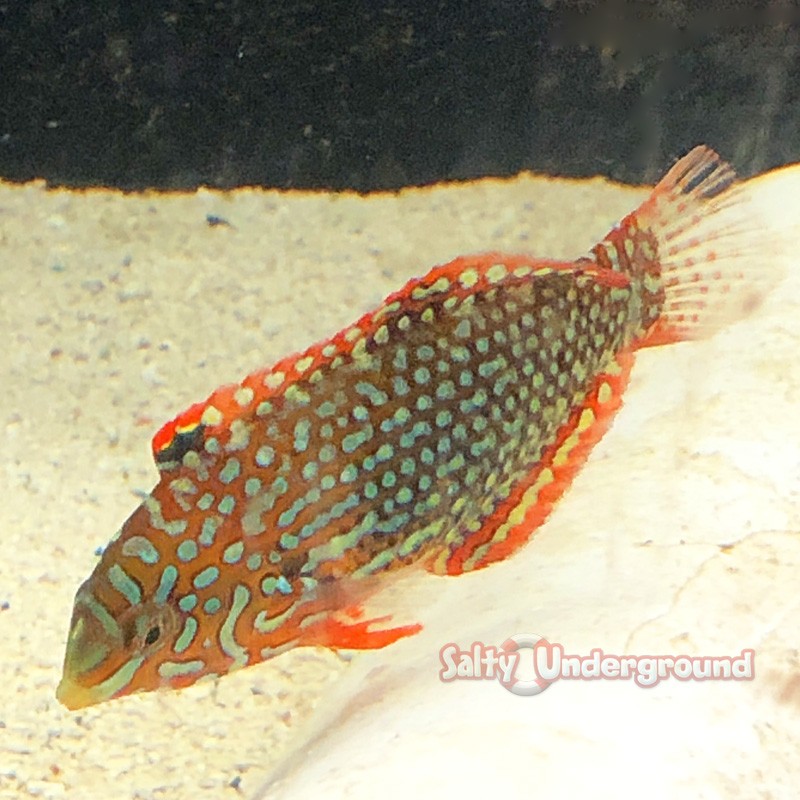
column 371, row 94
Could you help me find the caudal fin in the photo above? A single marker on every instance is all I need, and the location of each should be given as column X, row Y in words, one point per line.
column 712, row 255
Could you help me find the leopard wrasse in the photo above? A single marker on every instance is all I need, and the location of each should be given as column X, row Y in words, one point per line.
column 436, row 431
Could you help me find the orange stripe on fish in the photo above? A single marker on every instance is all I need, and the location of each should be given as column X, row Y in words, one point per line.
column 438, row 430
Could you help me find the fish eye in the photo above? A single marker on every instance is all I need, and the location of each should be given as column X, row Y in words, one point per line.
column 147, row 626
column 152, row 635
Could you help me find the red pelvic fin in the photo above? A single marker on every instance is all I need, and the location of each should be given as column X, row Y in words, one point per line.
column 533, row 498
column 350, row 635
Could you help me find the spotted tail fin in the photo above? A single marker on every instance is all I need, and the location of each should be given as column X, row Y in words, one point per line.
column 698, row 243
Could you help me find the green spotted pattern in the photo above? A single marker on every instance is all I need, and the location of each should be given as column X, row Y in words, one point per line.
column 394, row 451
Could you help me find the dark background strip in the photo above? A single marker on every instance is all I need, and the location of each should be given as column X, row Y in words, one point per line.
column 375, row 94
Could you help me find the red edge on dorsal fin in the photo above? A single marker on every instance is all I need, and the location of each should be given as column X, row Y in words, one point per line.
column 515, row 519
column 232, row 401
column 187, row 419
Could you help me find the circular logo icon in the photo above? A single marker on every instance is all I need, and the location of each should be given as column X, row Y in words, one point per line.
column 531, row 686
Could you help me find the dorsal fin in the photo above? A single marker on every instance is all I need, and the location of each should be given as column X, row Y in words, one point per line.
column 178, row 436
column 464, row 276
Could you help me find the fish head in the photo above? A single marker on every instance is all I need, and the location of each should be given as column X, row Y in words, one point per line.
column 138, row 622
column 107, row 653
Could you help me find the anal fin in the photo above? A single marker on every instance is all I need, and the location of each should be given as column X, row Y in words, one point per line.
column 532, row 499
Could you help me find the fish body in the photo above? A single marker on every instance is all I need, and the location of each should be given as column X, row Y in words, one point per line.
column 438, row 431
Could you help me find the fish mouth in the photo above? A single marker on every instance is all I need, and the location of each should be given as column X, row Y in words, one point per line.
column 88, row 646
column 73, row 696
column 94, row 637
